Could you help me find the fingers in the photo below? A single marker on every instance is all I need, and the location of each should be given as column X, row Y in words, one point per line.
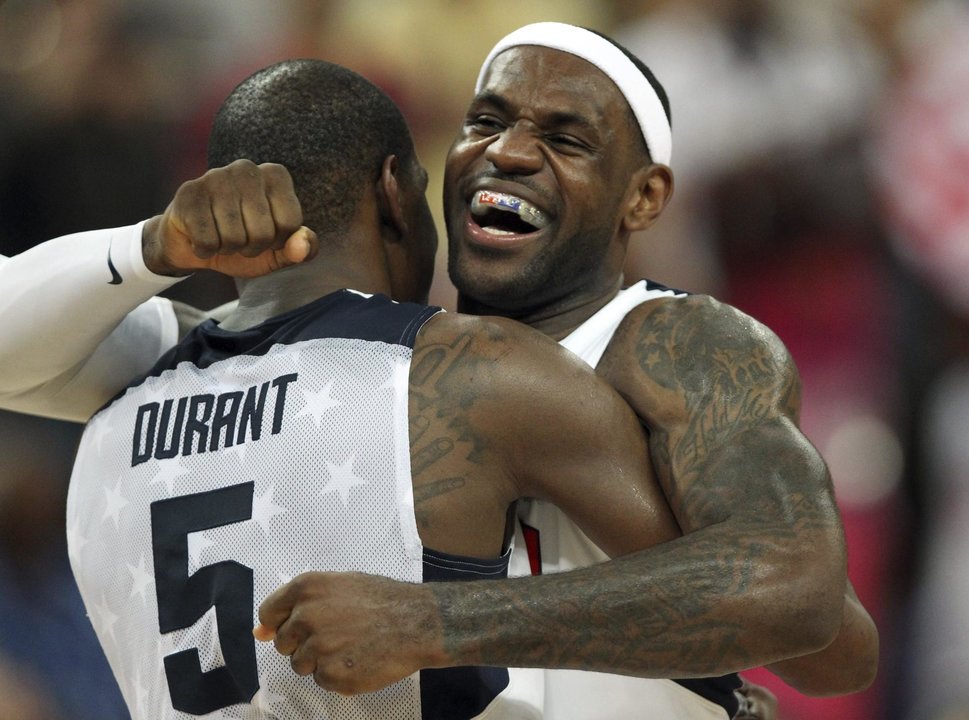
column 273, row 612
column 242, row 208
column 756, row 702
column 283, row 203
column 299, row 247
column 262, row 633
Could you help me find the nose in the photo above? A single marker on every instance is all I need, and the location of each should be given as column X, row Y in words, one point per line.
column 515, row 151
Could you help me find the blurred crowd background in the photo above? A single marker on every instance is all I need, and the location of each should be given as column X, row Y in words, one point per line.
column 821, row 155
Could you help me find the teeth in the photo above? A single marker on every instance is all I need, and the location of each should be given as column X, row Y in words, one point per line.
column 485, row 200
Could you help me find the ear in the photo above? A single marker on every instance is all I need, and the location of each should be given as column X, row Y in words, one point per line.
column 388, row 196
column 649, row 191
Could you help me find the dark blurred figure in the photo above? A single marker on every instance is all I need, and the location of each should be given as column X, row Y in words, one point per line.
column 45, row 635
column 95, row 99
column 90, row 100
column 72, row 141
column 921, row 165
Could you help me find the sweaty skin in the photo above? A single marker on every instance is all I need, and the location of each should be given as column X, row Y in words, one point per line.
column 497, row 412
column 544, row 130
column 759, row 576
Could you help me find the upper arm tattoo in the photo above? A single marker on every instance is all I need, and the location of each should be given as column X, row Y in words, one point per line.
column 729, row 383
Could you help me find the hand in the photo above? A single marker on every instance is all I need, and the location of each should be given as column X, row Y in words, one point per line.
column 756, row 703
column 354, row 633
column 242, row 220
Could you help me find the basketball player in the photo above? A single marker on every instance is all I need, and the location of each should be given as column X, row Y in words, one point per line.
column 572, row 129
column 767, row 516
column 324, row 427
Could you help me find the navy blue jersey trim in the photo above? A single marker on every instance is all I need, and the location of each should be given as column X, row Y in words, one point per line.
column 439, row 566
column 718, row 690
column 342, row 314
column 462, row 692
column 653, row 285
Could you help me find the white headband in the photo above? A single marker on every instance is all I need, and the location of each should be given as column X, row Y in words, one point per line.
column 634, row 86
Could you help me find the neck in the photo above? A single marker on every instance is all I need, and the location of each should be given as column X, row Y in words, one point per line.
column 558, row 318
column 284, row 290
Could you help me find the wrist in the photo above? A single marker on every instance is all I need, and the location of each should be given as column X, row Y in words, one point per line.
column 153, row 252
column 480, row 624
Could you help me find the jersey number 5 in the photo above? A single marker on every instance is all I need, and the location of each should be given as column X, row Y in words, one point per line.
column 184, row 598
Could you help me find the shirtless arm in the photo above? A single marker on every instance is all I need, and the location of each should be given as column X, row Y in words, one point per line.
column 526, row 419
column 756, row 579
column 723, row 398
column 847, row 665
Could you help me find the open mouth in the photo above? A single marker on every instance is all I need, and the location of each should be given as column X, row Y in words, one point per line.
column 503, row 214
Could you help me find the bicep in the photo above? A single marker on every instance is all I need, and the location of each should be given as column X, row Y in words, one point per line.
column 721, row 396
column 594, row 465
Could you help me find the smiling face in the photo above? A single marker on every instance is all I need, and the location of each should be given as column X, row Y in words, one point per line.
column 538, row 183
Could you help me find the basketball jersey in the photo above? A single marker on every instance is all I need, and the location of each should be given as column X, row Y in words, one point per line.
column 239, row 461
column 548, row 542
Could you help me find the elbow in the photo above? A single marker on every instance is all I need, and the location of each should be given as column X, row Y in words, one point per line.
column 820, row 611
column 850, row 664
column 849, row 676
column 861, row 678
column 809, row 599
column 867, row 664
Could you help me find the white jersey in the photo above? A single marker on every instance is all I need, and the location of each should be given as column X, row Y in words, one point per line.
column 547, row 541
column 239, row 461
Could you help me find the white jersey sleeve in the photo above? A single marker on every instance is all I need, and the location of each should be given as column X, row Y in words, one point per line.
column 78, row 321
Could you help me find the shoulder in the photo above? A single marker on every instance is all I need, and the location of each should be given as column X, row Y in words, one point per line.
column 698, row 349
column 500, row 354
column 508, row 376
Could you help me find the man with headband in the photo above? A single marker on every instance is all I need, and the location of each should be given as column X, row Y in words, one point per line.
column 554, row 168
column 577, row 130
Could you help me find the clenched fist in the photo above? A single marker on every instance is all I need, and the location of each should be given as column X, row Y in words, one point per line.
column 353, row 633
column 242, row 220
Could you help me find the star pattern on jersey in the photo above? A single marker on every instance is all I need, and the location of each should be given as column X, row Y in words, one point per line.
column 100, row 429
column 115, row 502
column 168, row 472
column 318, row 403
column 203, row 635
column 264, row 509
column 104, row 618
column 165, row 645
column 239, row 450
column 141, row 694
column 342, row 479
column 75, row 542
column 140, row 579
column 264, row 699
column 225, row 377
column 126, row 617
column 154, row 390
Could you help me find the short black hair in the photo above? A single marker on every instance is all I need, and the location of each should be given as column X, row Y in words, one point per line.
column 329, row 126
column 647, row 73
